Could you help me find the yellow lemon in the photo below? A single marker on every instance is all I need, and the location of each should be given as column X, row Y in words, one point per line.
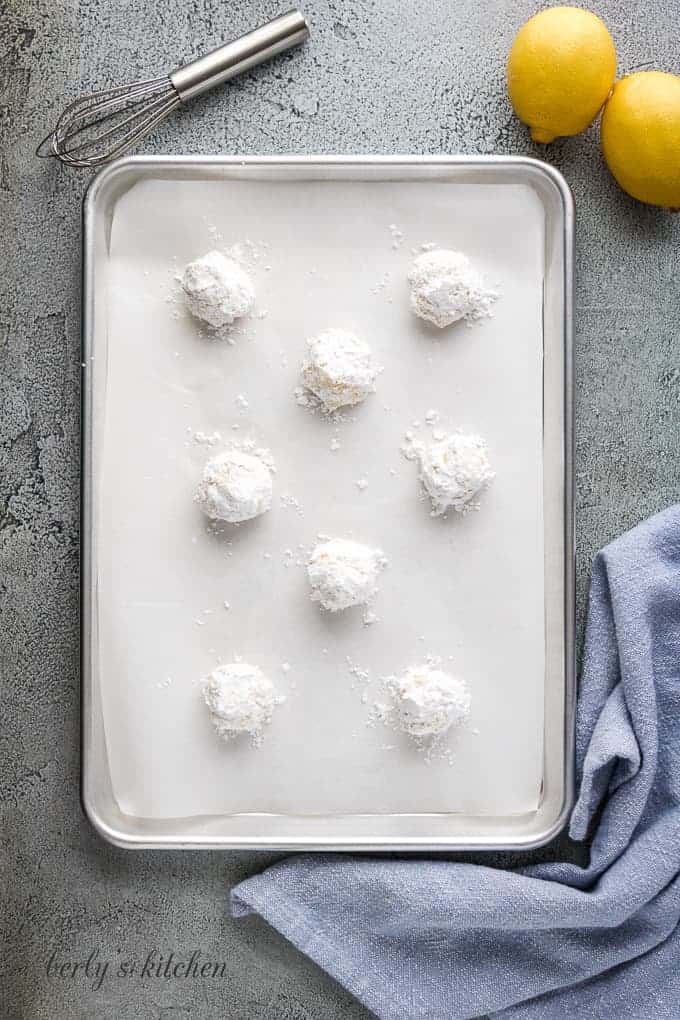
column 561, row 69
column 641, row 137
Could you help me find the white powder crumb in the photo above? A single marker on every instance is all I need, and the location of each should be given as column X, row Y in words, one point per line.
column 206, row 438
column 344, row 573
column 288, row 500
column 164, row 683
column 266, row 555
column 237, row 484
column 361, row 483
column 438, row 435
column 445, row 287
column 242, row 402
column 217, row 290
column 381, row 284
column 335, row 444
column 397, row 236
column 240, row 700
column 362, row 676
column 338, row 371
column 199, row 623
column 285, row 667
column 369, row 618
column 432, row 417
column 227, row 605
column 452, row 471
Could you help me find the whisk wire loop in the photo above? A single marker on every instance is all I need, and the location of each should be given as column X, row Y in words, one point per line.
column 97, row 128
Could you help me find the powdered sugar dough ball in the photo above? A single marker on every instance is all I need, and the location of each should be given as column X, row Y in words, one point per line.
column 217, row 289
column 343, row 573
column 339, row 369
column 453, row 471
column 240, row 699
column 236, row 486
column 445, row 287
column 428, row 701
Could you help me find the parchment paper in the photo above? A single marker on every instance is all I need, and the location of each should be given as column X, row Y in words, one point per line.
column 467, row 589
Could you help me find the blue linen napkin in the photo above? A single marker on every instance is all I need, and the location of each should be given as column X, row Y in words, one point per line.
column 447, row 941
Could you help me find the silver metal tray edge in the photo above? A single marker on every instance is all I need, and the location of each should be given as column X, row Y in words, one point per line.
column 96, row 794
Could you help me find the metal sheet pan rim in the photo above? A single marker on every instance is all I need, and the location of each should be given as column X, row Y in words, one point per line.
column 178, row 840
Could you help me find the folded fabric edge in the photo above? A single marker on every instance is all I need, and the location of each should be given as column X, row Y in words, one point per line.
column 289, row 921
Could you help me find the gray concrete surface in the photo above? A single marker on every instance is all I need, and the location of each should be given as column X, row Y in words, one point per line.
column 380, row 76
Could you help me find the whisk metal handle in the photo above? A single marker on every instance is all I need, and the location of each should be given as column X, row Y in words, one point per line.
column 235, row 57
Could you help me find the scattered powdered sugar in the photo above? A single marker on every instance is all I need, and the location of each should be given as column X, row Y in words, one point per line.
column 362, row 483
column 397, row 236
column 453, row 470
column 240, row 700
column 288, row 500
column 205, row 438
column 445, row 287
column 381, row 284
column 344, row 573
column 358, row 674
column 335, row 444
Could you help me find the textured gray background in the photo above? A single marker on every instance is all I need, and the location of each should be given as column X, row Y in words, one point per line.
column 380, row 76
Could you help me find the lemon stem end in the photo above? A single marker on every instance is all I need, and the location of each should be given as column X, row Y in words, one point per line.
column 543, row 136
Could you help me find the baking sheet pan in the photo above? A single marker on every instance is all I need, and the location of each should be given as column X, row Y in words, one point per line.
column 329, row 242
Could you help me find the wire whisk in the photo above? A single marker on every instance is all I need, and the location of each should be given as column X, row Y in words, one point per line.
column 100, row 127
